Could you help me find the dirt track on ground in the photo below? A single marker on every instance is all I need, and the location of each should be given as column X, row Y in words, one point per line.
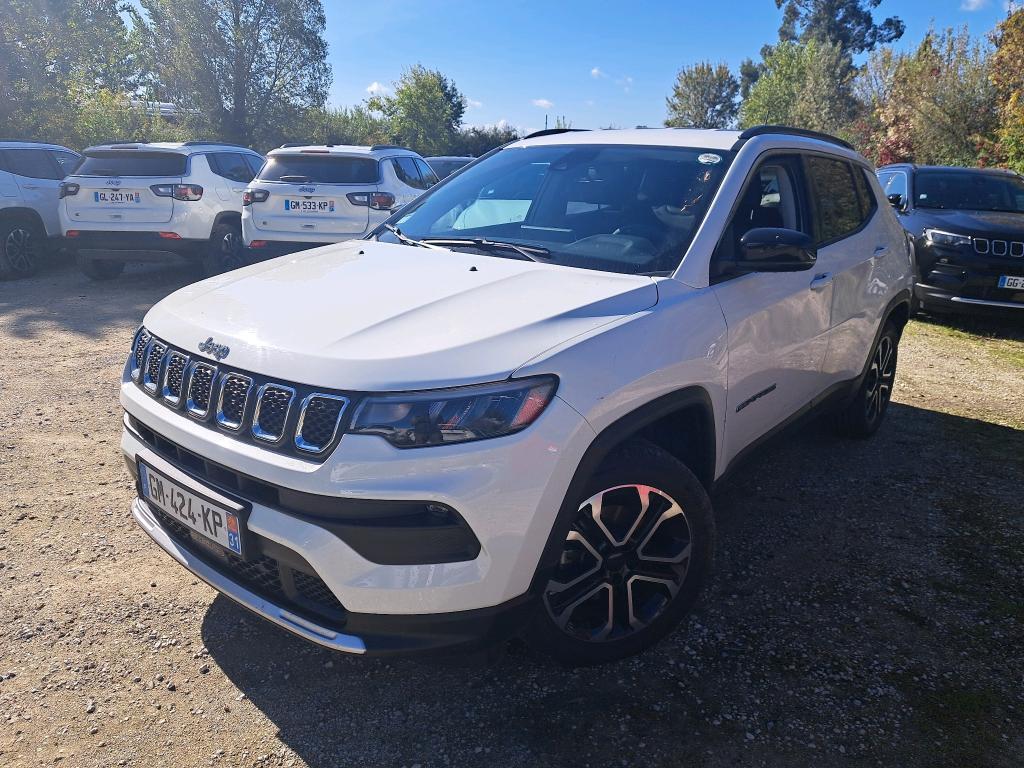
column 868, row 606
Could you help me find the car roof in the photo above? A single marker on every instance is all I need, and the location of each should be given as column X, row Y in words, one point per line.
column 22, row 144
column 947, row 168
column 176, row 147
column 658, row 137
column 450, row 157
column 347, row 150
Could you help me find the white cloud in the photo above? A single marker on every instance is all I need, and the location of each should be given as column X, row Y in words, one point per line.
column 474, row 104
column 596, row 73
column 377, row 89
column 543, row 103
column 973, row 5
column 589, row 102
column 626, row 83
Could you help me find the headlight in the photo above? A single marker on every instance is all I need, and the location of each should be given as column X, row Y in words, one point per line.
column 438, row 417
column 938, row 237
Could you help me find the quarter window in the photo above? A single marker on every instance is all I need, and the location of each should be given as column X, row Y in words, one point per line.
column 31, row 163
column 231, row 165
column 868, row 204
column 67, row 161
column 426, row 173
column 835, row 196
column 405, row 169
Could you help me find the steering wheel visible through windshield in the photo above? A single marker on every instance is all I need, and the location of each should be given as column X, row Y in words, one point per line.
column 631, row 209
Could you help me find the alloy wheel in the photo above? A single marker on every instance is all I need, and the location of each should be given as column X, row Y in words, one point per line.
column 624, row 560
column 20, row 251
column 878, row 387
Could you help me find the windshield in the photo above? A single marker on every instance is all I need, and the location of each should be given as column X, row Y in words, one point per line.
column 631, row 209
column 961, row 191
column 320, row 169
column 132, row 163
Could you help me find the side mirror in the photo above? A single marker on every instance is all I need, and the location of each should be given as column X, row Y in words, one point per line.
column 768, row 249
column 896, row 201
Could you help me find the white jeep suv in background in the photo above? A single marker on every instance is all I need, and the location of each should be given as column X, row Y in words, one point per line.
column 306, row 196
column 30, row 174
column 505, row 411
column 167, row 201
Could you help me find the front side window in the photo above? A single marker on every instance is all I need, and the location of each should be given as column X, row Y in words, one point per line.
column 835, row 197
column 31, row 163
column 894, row 183
column 103, row 162
column 966, row 191
column 630, row 209
column 320, row 169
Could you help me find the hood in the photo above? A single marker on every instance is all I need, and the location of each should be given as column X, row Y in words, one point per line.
column 374, row 316
column 977, row 223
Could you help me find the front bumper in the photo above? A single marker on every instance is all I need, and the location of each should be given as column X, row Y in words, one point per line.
column 507, row 490
column 953, row 281
column 133, row 246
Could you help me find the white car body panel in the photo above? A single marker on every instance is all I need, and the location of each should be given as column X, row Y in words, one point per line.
column 38, row 195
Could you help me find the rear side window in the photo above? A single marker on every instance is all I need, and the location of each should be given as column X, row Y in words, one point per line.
column 32, row 163
column 67, row 161
column 230, row 165
column 865, row 193
column 405, row 169
column 255, row 163
column 426, row 173
column 320, row 169
column 132, row 163
column 835, row 197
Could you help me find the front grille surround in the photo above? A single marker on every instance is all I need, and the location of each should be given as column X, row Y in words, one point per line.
column 287, row 417
column 233, row 400
column 998, row 247
column 139, row 346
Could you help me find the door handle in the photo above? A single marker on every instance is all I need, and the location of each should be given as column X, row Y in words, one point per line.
column 820, row 281
column 30, row 186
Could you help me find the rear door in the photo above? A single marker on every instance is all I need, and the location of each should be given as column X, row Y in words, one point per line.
column 118, row 186
column 315, row 193
column 38, row 177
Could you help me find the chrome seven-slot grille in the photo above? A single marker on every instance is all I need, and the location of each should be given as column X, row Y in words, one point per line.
column 277, row 415
column 985, row 246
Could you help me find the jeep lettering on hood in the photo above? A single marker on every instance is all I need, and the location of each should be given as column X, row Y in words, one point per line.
column 375, row 316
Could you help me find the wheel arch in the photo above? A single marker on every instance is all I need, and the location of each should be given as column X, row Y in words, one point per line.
column 681, row 422
column 226, row 217
column 22, row 212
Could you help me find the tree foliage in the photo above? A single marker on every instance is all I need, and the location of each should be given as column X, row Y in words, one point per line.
column 1007, row 77
column 802, row 85
column 850, row 24
column 240, row 69
column 704, row 96
column 424, row 112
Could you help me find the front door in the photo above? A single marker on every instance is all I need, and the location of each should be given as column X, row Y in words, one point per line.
column 778, row 323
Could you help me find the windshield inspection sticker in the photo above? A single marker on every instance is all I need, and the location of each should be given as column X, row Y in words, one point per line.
column 709, row 159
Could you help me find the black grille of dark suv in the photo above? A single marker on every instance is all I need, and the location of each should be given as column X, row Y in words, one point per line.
column 283, row 416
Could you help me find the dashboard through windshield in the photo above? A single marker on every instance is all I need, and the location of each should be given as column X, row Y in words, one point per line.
column 630, row 209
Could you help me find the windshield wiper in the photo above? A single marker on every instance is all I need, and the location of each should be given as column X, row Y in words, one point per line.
column 404, row 239
column 529, row 252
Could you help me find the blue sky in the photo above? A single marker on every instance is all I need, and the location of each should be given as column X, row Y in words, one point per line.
column 597, row 63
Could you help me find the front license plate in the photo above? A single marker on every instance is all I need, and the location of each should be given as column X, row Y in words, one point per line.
column 119, row 197
column 214, row 521
column 1011, row 282
column 309, row 206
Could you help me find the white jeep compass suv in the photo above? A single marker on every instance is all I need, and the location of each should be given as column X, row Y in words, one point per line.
column 30, row 174
column 167, row 201
column 306, row 196
column 505, row 411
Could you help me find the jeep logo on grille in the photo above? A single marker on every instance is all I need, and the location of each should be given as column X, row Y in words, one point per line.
column 210, row 347
column 307, row 189
column 113, row 182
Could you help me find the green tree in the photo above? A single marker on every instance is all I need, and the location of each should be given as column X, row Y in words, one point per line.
column 1007, row 77
column 424, row 112
column 475, row 141
column 54, row 53
column 805, row 86
column 704, row 96
column 850, row 24
column 240, row 69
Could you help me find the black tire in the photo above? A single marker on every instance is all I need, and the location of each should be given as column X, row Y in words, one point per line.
column 225, row 251
column 99, row 269
column 863, row 415
column 614, row 552
column 21, row 245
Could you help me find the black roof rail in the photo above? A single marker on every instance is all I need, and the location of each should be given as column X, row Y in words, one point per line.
column 770, row 130
column 376, row 147
column 203, row 143
column 292, row 144
column 553, row 132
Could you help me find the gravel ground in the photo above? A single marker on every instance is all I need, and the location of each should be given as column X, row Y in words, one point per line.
column 868, row 607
